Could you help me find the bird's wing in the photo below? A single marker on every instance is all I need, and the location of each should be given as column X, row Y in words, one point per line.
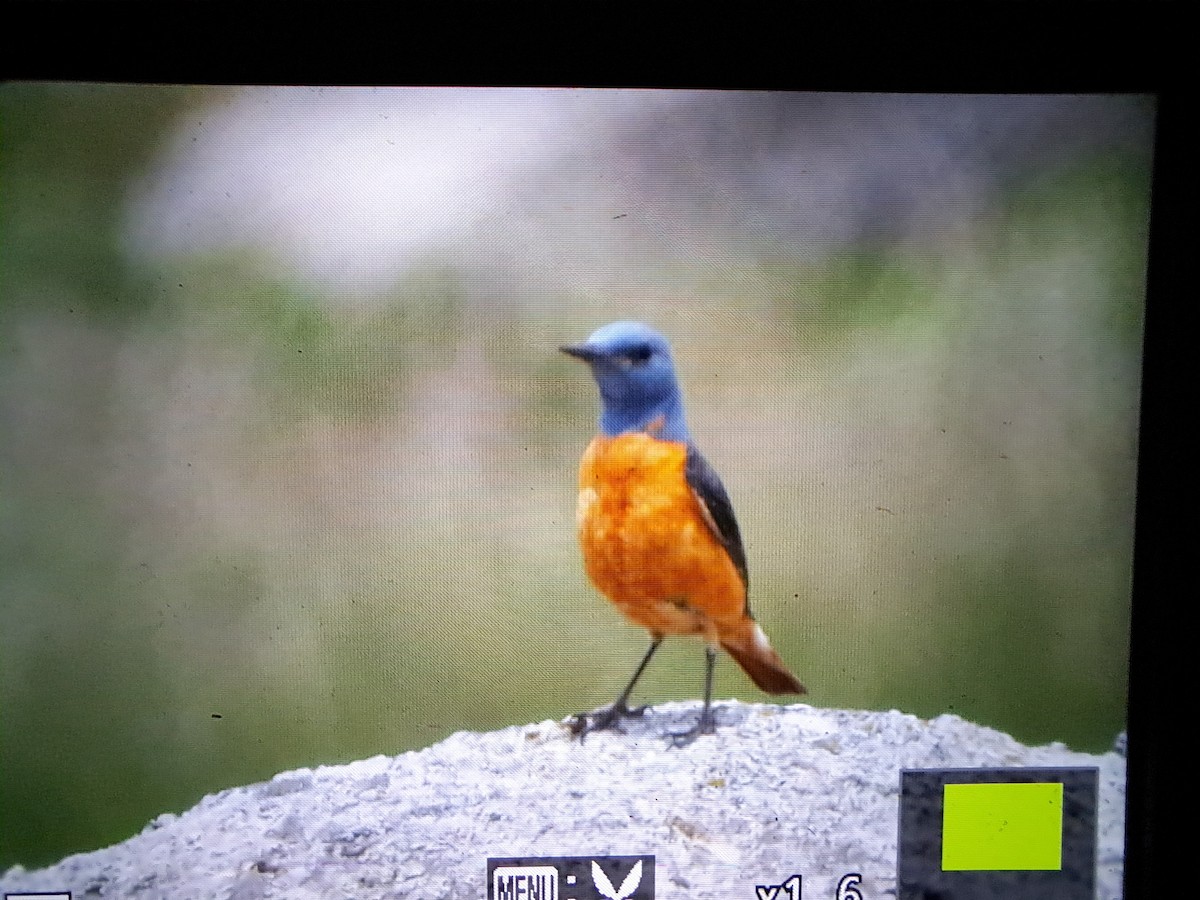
column 717, row 509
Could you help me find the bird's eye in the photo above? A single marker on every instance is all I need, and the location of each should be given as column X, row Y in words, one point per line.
column 639, row 355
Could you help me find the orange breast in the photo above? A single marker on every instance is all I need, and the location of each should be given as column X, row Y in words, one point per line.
column 645, row 543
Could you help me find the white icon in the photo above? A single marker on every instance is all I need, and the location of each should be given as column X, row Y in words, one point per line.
column 628, row 886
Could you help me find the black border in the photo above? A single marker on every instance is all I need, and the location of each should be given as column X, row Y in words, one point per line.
column 980, row 47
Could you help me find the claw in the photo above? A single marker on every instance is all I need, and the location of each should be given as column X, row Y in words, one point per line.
column 583, row 724
column 706, row 725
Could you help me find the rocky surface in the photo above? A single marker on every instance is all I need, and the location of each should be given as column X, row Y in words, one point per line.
column 777, row 791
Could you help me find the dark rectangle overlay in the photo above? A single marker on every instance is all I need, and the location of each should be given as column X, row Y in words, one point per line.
column 571, row 878
column 919, row 874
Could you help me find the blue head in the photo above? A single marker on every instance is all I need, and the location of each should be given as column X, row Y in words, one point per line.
column 632, row 365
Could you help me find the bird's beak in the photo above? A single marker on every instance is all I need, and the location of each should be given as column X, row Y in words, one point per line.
column 582, row 351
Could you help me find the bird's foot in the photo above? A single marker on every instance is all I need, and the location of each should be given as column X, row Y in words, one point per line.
column 706, row 725
column 583, row 724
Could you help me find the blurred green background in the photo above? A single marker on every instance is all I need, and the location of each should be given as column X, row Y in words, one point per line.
column 287, row 453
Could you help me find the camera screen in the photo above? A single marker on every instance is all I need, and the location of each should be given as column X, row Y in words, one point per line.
column 567, row 493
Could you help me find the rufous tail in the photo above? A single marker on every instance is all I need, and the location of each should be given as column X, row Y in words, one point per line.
column 753, row 652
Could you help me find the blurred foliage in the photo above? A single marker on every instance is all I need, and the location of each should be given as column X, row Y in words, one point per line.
column 852, row 287
column 313, row 357
column 1100, row 210
column 67, row 153
column 249, row 525
column 69, row 649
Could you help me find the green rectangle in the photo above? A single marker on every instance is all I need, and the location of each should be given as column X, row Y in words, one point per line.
column 1002, row 827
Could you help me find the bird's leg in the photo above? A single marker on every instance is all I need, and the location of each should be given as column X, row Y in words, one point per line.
column 708, row 722
column 583, row 724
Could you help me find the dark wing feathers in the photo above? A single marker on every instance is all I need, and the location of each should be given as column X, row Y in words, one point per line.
column 718, row 510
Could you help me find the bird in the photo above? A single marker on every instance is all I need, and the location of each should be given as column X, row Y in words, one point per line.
column 656, row 526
